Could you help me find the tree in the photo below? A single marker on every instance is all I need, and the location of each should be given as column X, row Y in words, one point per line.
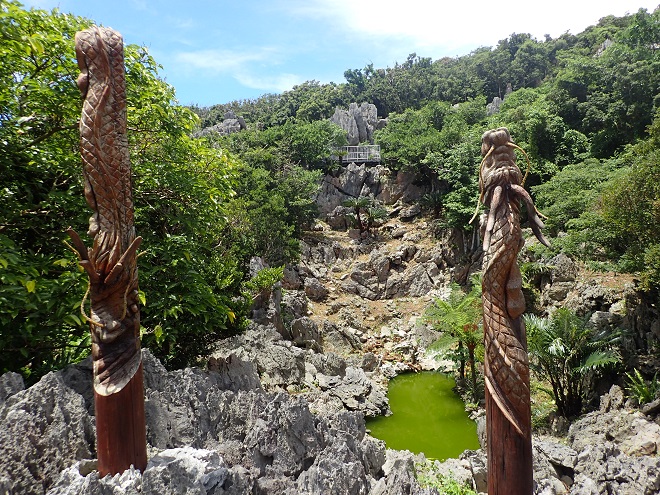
column 459, row 318
column 567, row 353
column 181, row 187
column 359, row 206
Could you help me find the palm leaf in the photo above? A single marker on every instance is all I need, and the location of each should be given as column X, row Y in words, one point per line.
column 599, row 359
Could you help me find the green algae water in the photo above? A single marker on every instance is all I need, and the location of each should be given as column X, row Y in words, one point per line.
column 427, row 416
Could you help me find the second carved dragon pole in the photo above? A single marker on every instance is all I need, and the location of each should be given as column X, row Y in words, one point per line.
column 506, row 367
column 111, row 261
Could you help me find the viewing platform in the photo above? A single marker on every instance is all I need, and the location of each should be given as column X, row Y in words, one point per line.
column 360, row 154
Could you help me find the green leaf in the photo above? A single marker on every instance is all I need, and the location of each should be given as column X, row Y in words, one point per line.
column 158, row 333
column 143, row 298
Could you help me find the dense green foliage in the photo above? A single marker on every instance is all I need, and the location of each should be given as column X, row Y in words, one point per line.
column 643, row 391
column 280, row 173
column 576, row 104
column 428, row 477
column 566, row 352
column 181, row 187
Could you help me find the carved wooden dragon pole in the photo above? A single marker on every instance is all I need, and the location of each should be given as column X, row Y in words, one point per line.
column 506, row 368
column 111, row 262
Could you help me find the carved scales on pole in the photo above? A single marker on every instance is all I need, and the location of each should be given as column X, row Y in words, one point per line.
column 506, row 368
column 111, row 262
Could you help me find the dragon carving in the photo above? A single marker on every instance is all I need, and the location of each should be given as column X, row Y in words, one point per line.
column 506, row 365
column 111, row 262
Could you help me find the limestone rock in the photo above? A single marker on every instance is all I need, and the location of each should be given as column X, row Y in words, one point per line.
column 565, row 269
column 305, row 332
column 229, row 125
column 357, row 392
column 359, row 122
column 291, row 279
column 314, row 289
column 10, row 383
column 76, row 480
column 184, row 470
column 294, row 305
column 43, row 430
column 409, row 212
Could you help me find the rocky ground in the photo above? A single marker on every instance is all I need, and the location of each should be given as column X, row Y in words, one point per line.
column 280, row 409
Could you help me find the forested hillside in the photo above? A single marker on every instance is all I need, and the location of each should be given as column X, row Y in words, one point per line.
column 584, row 107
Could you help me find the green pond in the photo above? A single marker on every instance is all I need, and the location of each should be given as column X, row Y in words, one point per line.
column 427, row 416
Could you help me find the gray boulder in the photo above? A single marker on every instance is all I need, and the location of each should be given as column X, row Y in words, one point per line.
column 43, row 430
column 184, row 470
column 315, row 290
column 305, row 333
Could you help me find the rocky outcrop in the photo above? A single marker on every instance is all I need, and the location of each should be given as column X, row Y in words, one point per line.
column 372, row 271
column 326, row 380
column 43, row 430
column 229, row 125
column 202, row 438
column 356, row 180
column 359, row 122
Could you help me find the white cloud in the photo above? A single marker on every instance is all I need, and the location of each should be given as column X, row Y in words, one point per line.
column 453, row 24
column 255, row 69
column 221, row 61
column 277, row 83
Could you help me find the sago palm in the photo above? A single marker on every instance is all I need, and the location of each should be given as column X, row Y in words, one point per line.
column 566, row 352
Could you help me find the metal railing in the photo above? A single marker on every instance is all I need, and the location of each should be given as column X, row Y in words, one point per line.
column 361, row 154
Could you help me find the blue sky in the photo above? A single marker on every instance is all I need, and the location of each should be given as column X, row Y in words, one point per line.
column 219, row 51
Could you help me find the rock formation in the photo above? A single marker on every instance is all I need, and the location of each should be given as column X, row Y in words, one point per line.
column 359, row 122
column 229, row 125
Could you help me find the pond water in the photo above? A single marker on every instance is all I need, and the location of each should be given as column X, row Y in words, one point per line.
column 427, row 416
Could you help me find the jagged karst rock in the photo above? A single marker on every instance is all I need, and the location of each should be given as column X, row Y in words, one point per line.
column 615, row 451
column 357, row 392
column 204, row 438
column 305, row 333
column 339, row 339
column 184, row 470
column 409, row 212
column 294, row 305
column 494, row 106
column 359, row 122
column 565, row 269
column 355, row 180
column 314, row 289
column 234, row 373
column 229, row 125
column 399, row 479
column 291, row 279
column 43, row 430
column 77, row 479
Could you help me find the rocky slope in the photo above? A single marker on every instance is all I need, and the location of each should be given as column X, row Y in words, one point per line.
column 280, row 409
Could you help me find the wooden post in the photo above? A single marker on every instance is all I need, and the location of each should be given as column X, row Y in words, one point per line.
column 120, row 428
column 506, row 366
column 509, row 466
column 111, row 263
